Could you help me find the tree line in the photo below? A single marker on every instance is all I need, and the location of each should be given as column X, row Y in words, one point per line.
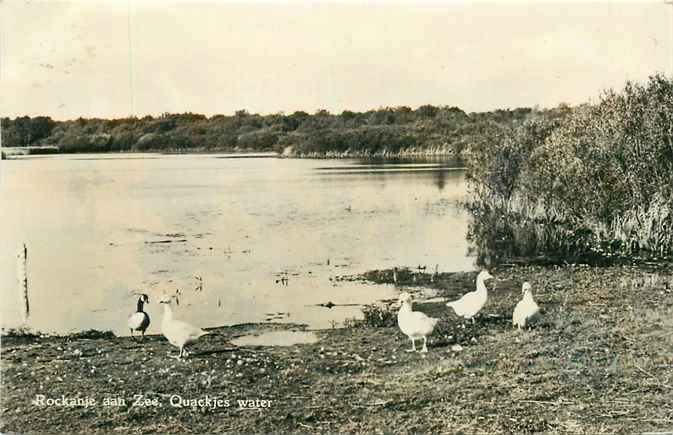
column 386, row 130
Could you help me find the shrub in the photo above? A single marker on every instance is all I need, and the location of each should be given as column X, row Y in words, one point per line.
column 598, row 180
column 375, row 316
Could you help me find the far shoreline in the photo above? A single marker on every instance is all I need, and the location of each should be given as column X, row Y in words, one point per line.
column 20, row 152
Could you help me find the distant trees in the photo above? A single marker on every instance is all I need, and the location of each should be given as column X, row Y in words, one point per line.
column 427, row 111
column 384, row 129
column 24, row 131
column 366, row 139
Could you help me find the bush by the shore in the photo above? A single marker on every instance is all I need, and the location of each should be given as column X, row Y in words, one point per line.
column 598, row 181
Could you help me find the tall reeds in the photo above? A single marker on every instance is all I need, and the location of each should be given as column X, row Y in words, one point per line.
column 597, row 182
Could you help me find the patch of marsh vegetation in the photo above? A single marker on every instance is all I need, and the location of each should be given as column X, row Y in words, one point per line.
column 594, row 183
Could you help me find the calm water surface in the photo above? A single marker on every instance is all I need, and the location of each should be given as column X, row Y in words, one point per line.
column 224, row 231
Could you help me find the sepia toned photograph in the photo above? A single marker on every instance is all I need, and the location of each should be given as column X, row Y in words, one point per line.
column 336, row 216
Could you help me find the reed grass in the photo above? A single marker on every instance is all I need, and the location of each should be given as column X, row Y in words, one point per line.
column 598, row 182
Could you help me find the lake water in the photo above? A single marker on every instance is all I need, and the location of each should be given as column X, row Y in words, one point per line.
column 243, row 239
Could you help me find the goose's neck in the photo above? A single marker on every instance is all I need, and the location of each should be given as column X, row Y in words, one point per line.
column 168, row 312
column 481, row 286
column 406, row 307
column 141, row 304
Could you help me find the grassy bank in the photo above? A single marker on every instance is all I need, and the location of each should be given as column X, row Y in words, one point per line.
column 600, row 362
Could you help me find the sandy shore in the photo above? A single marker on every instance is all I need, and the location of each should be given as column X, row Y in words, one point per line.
column 601, row 361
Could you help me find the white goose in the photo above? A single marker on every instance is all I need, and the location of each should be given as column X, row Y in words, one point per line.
column 414, row 324
column 177, row 332
column 471, row 303
column 140, row 320
column 526, row 309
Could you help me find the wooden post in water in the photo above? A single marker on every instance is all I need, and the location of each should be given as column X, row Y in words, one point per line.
column 22, row 274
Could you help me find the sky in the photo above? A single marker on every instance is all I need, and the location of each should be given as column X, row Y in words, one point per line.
column 74, row 58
